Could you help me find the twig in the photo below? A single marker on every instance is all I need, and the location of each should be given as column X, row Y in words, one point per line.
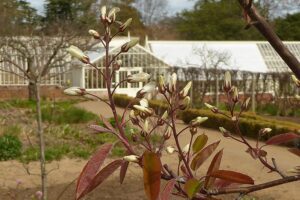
column 266, row 30
column 246, row 190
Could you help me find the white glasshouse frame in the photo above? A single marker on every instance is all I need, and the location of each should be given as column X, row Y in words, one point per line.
column 136, row 60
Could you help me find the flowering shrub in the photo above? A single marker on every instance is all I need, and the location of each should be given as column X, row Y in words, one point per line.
column 184, row 183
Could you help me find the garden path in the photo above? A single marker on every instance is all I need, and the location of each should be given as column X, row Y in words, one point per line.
column 234, row 158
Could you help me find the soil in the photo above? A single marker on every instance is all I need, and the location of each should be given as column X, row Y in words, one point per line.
column 63, row 173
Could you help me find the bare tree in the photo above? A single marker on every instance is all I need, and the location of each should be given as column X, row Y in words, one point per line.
column 152, row 10
column 35, row 60
column 211, row 61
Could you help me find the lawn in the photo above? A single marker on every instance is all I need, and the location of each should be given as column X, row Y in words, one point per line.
column 66, row 131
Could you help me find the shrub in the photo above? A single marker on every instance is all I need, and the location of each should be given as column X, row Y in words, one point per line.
column 250, row 123
column 10, row 147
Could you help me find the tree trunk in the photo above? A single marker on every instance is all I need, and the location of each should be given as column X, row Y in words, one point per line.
column 41, row 141
column 31, row 91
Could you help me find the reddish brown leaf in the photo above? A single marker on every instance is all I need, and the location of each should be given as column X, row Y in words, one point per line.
column 91, row 168
column 101, row 176
column 282, row 138
column 295, row 151
column 232, row 176
column 166, row 193
column 220, row 183
column 214, row 165
column 202, row 156
column 184, row 170
column 123, row 171
column 191, row 187
column 106, row 123
column 99, row 129
column 199, row 143
column 151, row 172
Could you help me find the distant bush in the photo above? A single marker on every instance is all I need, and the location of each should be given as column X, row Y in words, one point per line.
column 10, row 147
column 250, row 123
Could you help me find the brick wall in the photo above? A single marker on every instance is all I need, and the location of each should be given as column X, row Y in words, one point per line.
column 21, row 92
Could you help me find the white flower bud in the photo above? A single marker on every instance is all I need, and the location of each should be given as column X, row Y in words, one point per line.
column 186, row 148
column 165, row 115
column 170, row 149
column 265, row 131
column 185, row 103
column 198, row 121
column 246, row 103
column 117, row 64
column 148, row 88
column 173, row 81
column 94, row 33
column 212, row 108
column 143, row 109
column 129, row 45
column 125, row 25
column 77, row 53
column 140, row 77
column 75, row 91
column 131, row 158
column 144, row 103
column 209, row 106
column 184, row 92
column 235, row 95
column 161, row 84
column 297, row 97
column 227, row 81
column 224, row 132
column 103, row 12
column 296, row 80
column 113, row 11
column 132, row 114
column 146, row 126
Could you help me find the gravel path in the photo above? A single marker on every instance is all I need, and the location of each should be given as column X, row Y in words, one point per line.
column 66, row 170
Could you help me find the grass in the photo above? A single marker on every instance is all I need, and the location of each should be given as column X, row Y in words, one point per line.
column 66, row 132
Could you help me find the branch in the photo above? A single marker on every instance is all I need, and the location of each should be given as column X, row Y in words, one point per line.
column 246, row 190
column 266, row 30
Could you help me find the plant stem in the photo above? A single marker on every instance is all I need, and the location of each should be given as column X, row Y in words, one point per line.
column 178, row 145
column 246, row 190
column 266, row 30
column 110, row 97
column 41, row 141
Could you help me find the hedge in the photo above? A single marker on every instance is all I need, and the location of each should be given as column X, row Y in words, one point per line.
column 250, row 123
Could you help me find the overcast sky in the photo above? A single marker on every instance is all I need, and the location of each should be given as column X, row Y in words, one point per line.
column 175, row 5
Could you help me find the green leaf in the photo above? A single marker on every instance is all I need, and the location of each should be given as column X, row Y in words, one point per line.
column 202, row 156
column 232, row 176
column 199, row 143
column 191, row 187
column 151, row 171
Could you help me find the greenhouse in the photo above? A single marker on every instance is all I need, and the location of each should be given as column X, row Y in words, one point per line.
column 137, row 59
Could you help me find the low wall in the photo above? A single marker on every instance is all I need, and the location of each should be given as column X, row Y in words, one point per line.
column 21, row 92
